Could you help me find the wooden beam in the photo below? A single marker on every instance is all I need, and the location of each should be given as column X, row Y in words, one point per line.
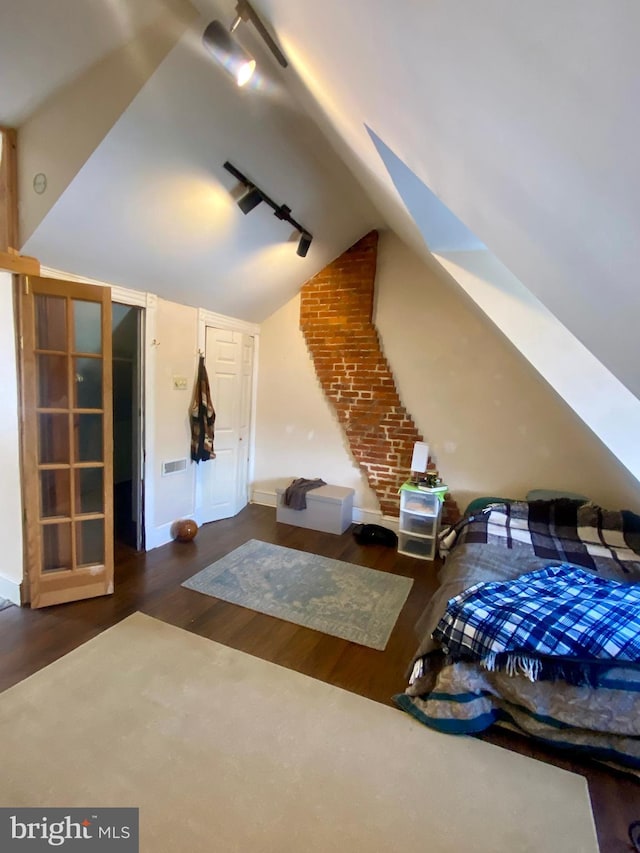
column 10, row 259
column 22, row 264
column 8, row 190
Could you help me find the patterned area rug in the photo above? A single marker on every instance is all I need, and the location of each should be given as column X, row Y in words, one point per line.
column 348, row 601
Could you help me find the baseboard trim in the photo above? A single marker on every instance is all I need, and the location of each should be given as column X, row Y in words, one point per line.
column 359, row 516
column 10, row 590
column 158, row 536
column 374, row 516
column 263, row 498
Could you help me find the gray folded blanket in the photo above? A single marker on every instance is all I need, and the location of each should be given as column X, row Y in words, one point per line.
column 295, row 495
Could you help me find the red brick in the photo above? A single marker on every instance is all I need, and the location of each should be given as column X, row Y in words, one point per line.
column 336, row 308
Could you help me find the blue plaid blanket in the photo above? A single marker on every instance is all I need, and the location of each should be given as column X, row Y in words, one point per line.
column 556, row 622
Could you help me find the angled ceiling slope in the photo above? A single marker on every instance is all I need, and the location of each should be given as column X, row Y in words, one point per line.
column 517, row 118
column 585, row 384
column 153, row 208
column 520, row 118
column 519, row 121
column 44, row 46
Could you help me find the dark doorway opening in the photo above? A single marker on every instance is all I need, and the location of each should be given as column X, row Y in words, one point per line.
column 128, row 513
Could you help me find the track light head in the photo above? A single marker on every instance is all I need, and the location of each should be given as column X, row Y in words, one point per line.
column 228, row 52
column 249, row 200
column 303, row 244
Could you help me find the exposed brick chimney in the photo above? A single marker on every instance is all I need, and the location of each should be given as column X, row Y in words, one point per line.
column 336, row 313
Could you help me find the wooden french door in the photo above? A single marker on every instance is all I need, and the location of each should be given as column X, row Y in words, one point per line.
column 67, row 442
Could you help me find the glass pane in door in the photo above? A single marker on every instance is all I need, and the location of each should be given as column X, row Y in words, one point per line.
column 87, row 438
column 52, row 381
column 88, row 383
column 56, row 547
column 87, row 326
column 90, row 542
column 53, row 439
column 55, row 493
column 51, row 322
column 89, row 490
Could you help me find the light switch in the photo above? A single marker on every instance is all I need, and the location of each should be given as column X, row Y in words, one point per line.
column 179, row 383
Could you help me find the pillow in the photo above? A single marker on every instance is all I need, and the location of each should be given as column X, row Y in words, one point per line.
column 479, row 504
column 554, row 495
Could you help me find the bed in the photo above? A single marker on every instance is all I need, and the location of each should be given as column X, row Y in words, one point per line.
column 586, row 707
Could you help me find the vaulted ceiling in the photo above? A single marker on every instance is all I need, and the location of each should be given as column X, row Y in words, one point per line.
column 521, row 118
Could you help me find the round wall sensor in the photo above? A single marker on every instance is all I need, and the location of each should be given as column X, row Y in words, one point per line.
column 40, row 183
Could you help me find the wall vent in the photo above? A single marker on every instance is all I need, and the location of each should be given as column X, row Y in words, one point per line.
column 175, row 466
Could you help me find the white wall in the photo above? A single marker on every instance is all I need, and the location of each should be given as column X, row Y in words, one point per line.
column 495, row 426
column 172, row 351
column 10, row 493
column 494, row 423
column 605, row 405
column 297, row 432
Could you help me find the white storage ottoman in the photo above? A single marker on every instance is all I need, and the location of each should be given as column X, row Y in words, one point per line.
column 329, row 508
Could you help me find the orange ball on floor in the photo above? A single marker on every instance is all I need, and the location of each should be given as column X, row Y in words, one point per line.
column 184, row 530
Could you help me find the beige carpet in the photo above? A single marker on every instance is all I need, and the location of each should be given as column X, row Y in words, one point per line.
column 224, row 752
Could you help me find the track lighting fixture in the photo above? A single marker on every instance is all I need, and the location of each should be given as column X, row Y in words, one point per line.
column 254, row 196
column 249, row 200
column 303, row 244
column 229, row 53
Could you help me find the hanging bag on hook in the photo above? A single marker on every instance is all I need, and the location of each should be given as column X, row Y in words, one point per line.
column 202, row 416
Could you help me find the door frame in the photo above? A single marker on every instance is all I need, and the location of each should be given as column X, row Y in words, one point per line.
column 220, row 321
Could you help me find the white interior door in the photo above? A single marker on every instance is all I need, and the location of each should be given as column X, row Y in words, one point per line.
column 222, row 482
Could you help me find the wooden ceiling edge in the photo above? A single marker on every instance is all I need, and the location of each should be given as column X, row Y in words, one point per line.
column 22, row 264
column 10, row 258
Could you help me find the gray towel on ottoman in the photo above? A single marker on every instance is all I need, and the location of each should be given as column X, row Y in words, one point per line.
column 295, row 495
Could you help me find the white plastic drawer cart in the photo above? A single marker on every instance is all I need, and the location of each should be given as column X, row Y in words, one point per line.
column 420, row 511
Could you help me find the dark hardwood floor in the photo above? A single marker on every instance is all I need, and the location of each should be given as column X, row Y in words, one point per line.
column 31, row 639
